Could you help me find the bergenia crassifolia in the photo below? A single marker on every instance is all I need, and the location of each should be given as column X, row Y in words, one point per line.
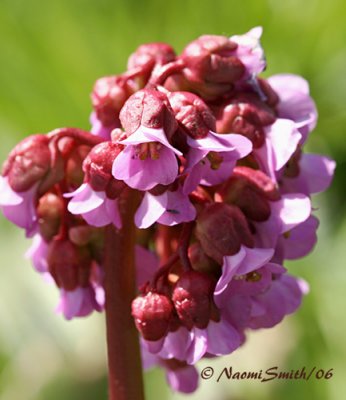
column 205, row 161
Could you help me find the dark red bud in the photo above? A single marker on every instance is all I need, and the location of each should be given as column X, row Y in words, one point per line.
column 74, row 174
column 251, row 191
column 152, row 314
column 148, row 55
column 211, row 66
column 150, row 108
column 98, row 166
column 192, row 297
column 222, row 229
column 68, row 264
column 108, row 97
column 49, row 211
column 28, row 163
column 259, row 180
column 201, row 262
column 193, row 115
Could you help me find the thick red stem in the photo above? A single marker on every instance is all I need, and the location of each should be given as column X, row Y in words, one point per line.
column 125, row 372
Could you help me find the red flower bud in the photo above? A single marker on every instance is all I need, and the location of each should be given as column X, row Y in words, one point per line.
column 152, row 314
column 251, row 191
column 192, row 298
column 222, row 229
column 28, row 163
column 201, row 262
column 148, row 55
column 98, row 167
column 49, row 211
column 108, row 97
column 68, row 264
column 245, row 114
column 192, row 114
column 210, row 66
column 150, row 108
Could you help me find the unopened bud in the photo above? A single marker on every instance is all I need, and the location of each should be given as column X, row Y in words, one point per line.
column 211, row 66
column 222, row 229
column 98, row 166
column 68, row 264
column 192, row 114
column 192, row 297
column 28, row 163
column 149, row 55
column 152, row 314
column 49, row 211
column 201, row 262
column 150, row 108
column 108, row 97
column 250, row 190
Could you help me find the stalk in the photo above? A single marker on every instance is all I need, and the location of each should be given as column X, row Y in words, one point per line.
column 124, row 363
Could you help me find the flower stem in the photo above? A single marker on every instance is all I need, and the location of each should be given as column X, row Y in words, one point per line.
column 125, row 373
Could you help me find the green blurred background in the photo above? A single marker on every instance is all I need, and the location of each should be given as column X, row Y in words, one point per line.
column 51, row 54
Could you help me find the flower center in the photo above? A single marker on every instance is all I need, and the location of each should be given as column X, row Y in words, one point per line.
column 148, row 150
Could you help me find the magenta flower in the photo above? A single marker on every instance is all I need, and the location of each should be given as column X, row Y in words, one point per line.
column 147, row 160
column 250, row 51
column 286, row 214
column 80, row 302
column 19, row 207
column 314, row 175
column 37, row 253
column 283, row 297
column 180, row 376
column 94, row 206
column 281, row 141
column 295, row 102
column 211, row 159
column 170, row 208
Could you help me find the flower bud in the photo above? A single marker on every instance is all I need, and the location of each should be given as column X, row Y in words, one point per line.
column 152, row 314
column 247, row 115
column 28, row 163
column 211, row 66
column 68, row 264
column 98, row 168
column 192, row 114
column 222, row 229
column 192, row 297
column 250, row 190
column 147, row 56
column 49, row 211
column 200, row 261
column 108, row 97
column 150, row 108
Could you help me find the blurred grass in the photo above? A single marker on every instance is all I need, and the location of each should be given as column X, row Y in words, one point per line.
column 50, row 55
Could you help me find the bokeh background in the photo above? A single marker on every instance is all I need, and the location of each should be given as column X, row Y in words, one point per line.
column 50, row 55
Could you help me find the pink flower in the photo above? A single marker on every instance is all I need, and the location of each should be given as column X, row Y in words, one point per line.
column 170, row 208
column 295, row 102
column 19, row 207
column 80, row 302
column 211, row 159
column 94, row 206
column 250, row 51
column 147, row 160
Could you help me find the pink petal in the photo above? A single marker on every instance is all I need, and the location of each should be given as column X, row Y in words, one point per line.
column 150, row 210
column 147, row 135
column 223, row 338
column 8, row 197
column 85, row 199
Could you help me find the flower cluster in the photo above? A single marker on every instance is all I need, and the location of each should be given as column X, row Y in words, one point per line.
column 216, row 154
